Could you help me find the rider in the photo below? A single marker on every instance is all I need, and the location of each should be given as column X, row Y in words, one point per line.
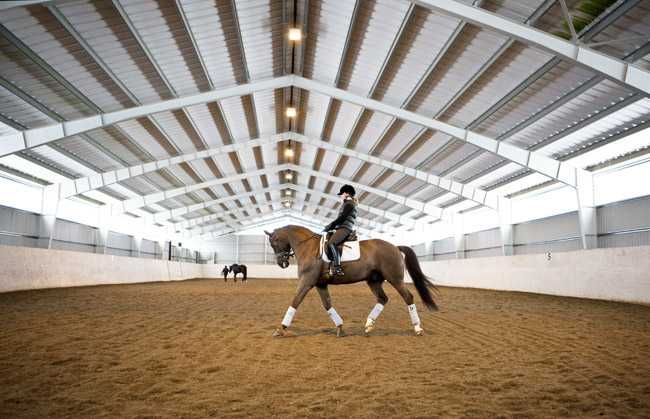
column 343, row 225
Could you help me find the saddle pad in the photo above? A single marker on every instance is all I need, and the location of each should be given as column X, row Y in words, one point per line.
column 350, row 252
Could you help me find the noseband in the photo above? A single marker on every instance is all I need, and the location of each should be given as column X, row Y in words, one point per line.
column 283, row 257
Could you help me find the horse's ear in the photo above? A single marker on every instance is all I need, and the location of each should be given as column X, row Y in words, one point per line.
column 268, row 234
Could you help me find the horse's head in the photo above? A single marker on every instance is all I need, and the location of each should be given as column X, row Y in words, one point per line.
column 279, row 241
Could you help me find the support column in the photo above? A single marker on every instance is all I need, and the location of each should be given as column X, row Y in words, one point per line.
column 506, row 228
column 237, row 248
column 587, row 214
column 161, row 245
column 265, row 248
column 137, row 246
column 428, row 250
column 47, row 220
column 459, row 236
column 46, row 225
column 101, row 245
column 101, row 238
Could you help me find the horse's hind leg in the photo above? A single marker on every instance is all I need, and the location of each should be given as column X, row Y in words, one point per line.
column 375, row 283
column 325, row 298
column 401, row 288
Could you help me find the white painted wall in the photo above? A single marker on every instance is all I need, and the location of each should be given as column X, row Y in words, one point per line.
column 23, row 268
column 619, row 274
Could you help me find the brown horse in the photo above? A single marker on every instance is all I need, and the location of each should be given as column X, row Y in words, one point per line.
column 380, row 261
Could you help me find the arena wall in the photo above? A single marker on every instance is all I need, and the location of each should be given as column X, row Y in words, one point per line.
column 619, row 274
column 23, row 268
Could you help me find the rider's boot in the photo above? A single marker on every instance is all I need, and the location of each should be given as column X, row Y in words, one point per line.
column 336, row 261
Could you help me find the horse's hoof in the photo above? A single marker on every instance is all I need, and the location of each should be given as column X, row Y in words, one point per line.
column 370, row 325
column 340, row 332
column 419, row 331
column 278, row 333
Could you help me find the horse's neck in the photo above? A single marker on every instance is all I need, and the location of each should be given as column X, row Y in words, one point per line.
column 300, row 243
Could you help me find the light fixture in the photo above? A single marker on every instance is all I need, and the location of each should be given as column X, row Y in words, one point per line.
column 287, row 204
column 288, row 152
column 295, row 34
column 287, row 192
column 291, row 112
column 288, row 176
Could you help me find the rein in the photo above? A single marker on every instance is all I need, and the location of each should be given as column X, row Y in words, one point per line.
column 289, row 253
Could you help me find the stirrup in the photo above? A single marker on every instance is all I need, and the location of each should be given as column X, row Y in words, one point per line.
column 338, row 271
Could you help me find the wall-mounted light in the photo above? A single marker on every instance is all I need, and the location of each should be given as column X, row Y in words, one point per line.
column 287, row 204
column 291, row 112
column 288, row 176
column 287, row 192
column 295, row 34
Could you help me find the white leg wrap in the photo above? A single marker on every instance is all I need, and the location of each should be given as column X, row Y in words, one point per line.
column 288, row 317
column 376, row 311
column 413, row 312
column 335, row 317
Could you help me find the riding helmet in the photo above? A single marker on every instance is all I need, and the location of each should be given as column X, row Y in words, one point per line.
column 347, row 188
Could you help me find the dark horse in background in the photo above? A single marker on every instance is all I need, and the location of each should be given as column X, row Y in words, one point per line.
column 380, row 262
column 239, row 269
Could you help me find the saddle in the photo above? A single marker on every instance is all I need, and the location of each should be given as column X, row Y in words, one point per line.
column 349, row 249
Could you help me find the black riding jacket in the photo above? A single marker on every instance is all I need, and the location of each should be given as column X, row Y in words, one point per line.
column 347, row 217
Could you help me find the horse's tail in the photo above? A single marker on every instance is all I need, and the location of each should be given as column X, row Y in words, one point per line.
column 420, row 280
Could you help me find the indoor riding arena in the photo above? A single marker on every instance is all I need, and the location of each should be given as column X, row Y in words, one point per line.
column 324, row 208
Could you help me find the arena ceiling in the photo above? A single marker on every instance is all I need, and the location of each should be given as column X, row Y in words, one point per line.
column 178, row 111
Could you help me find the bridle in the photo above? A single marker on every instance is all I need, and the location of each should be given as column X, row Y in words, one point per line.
column 283, row 257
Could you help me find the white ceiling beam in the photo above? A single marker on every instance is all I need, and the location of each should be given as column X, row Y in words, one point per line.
column 22, row 140
column 139, row 202
column 219, row 229
column 364, row 224
column 423, row 207
column 84, row 184
column 408, row 222
column 614, row 68
column 535, row 161
column 163, row 216
column 277, row 216
column 480, row 196
column 81, row 185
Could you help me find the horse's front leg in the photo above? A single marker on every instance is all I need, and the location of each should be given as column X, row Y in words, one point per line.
column 325, row 298
column 304, row 286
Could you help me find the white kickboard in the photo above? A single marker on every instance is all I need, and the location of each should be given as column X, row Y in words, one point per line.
column 350, row 252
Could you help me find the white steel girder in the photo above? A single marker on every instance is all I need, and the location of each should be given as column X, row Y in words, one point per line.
column 408, row 222
column 141, row 201
column 364, row 224
column 280, row 215
column 80, row 185
column 22, row 140
column 611, row 67
column 420, row 206
column 533, row 160
column 162, row 217
column 135, row 203
column 316, row 222
column 85, row 184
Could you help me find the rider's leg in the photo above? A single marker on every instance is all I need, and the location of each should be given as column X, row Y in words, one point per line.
column 337, row 238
